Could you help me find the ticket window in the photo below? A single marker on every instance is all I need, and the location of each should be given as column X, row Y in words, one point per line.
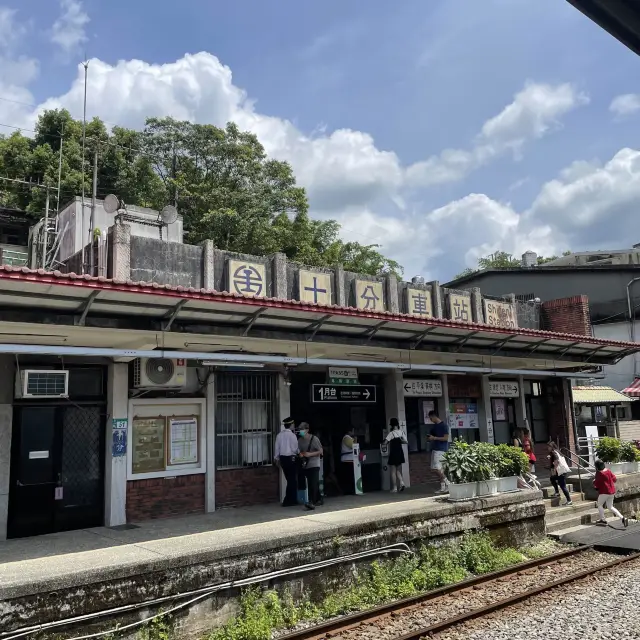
column 503, row 414
column 464, row 419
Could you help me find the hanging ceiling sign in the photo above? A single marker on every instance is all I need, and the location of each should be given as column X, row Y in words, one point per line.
column 414, row 388
column 343, row 375
column 326, row 393
column 504, row 389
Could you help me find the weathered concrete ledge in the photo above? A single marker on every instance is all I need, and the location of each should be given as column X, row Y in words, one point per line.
column 214, row 557
column 627, row 491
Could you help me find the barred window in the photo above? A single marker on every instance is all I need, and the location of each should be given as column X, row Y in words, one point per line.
column 246, row 411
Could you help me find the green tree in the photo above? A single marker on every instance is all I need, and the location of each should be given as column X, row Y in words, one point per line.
column 502, row 260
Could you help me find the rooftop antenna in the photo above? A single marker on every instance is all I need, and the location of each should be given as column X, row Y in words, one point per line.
column 84, row 138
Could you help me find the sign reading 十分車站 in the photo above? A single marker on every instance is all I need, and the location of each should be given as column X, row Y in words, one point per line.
column 314, row 286
column 460, row 307
column 369, row 295
column 500, row 314
column 419, row 303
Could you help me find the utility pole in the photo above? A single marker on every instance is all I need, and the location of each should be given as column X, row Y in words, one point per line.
column 84, row 138
column 94, row 193
column 60, row 167
column 45, row 239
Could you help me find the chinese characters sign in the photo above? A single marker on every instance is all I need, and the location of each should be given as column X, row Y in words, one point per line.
column 500, row 314
column 422, row 388
column 419, row 303
column 315, row 287
column 504, row 389
column 119, row 429
column 463, row 416
column 343, row 375
column 247, row 279
column 369, row 295
column 460, row 307
column 337, row 393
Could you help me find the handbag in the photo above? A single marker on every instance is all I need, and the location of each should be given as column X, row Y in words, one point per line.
column 563, row 467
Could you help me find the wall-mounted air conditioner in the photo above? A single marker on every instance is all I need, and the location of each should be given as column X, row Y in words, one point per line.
column 46, row 383
column 159, row 373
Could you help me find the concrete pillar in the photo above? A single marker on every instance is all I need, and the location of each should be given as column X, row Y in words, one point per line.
column 210, row 479
column 394, row 408
column 279, row 270
column 484, row 414
column 208, row 272
column 391, row 292
column 115, row 472
column 339, row 286
column 476, row 305
column 521, row 407
column 7, row 372
column 437, row 299
column 444, row 412
column 121, row 252
column 284, row 409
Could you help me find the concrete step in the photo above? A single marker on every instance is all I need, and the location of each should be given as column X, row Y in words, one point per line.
column 549, row 492
column 560, row 513
column 554, row 502
column 572, row 520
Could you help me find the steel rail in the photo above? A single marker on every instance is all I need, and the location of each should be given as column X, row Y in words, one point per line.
column 345, row 623
column 439, row 627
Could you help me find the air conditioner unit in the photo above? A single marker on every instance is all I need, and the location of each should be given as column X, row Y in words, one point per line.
column 159, row 373
column 47, row 383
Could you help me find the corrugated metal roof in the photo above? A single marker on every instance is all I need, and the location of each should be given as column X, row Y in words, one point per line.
column 599, row 395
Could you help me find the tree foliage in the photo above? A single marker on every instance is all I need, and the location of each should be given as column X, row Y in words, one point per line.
column 503, row 260
column 221, row 180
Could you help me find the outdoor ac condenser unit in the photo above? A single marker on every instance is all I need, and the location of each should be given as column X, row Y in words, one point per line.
column 159, row 373
column 45, row 383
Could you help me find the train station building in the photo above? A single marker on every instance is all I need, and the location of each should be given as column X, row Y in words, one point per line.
column 155, row 386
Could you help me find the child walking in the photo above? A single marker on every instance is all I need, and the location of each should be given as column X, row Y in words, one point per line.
column 605, row 484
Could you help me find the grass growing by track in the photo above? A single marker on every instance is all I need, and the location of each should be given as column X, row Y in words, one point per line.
column 263, row 612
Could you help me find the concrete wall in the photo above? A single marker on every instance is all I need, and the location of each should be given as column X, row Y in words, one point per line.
column 7, row 366
column 154, row 260
column 618, row 375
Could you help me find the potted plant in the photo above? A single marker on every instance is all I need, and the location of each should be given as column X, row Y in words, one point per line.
column 629, row 456
column 608, row 450
column 457, row 464
column 487, row 459
column 512, row 463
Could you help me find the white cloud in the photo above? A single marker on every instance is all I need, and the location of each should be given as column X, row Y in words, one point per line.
column 534, row 111
column 625, row 105
column 69, row 30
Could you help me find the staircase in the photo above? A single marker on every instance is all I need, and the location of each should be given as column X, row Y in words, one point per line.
column 559, row 519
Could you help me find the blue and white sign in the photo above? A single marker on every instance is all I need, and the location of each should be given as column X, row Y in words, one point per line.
column 119, row 429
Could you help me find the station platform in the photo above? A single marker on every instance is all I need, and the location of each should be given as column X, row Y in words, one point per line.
column 106, row 568
column 614, row 537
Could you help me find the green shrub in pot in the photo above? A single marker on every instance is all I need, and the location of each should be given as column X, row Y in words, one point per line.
column 487, row 458
column 608, row 449
column 628, row 452
column 457, row 463
column 512, row 461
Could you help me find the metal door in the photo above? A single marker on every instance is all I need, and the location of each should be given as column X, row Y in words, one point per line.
column 58, row 469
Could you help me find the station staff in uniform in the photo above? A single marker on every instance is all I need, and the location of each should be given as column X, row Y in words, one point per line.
column 286, row 454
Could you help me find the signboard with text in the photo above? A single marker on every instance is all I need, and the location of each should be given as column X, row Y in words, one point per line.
column 504, row 389
column 500, row 314
column 414, row 388
column 326, row 393
column 343, row 375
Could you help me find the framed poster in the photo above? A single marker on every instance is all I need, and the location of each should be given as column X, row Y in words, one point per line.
column 148, row 444
column 499, row 409
column 182, row 447
column 427, row 407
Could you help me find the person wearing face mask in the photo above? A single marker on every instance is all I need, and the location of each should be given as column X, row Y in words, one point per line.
column 311, row 452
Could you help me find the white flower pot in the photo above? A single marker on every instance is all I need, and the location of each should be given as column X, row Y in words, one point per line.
column 488, row 487
column 463, row 491
column 618, row 468
column 507, row 484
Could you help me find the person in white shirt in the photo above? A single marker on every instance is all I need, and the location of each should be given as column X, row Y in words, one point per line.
column 347, row 480
column 396, row 439
column 286, row 453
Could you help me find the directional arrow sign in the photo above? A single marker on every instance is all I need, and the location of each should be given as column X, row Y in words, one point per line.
column 325, row 393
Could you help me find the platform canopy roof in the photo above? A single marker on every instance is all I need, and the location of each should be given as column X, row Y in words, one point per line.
column 181, row 319
column 621, row 18
column 599, row 395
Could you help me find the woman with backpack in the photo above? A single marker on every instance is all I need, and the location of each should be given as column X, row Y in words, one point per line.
column 559, row 471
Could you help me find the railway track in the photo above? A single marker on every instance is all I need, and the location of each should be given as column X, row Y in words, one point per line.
column 431, row 613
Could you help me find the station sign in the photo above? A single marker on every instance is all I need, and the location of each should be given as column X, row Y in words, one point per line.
column 343, row 375
column 504, row 389
column 326, row 393
column 415, row 388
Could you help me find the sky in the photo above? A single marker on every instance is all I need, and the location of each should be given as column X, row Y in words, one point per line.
column 441, row 130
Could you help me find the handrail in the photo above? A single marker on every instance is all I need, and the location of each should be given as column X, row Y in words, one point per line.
column 580, row 464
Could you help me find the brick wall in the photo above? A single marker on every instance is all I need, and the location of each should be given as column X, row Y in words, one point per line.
column 165, row 497
column 559, row 412
column 245, row 487
column 567, row 315
column 420, row 468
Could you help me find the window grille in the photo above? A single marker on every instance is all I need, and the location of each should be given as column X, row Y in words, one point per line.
column 246, row 411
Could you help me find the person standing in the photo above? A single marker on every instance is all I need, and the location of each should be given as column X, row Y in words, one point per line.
column 527, row 447
column 396, row 439
column 439, row 439
column 559, row 471
column 605, row 484
column 311, row 452
column 286, row 453
column 517, row 438
column 346, row 462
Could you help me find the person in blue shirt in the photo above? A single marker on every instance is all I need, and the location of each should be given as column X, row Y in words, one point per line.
column 439, row 439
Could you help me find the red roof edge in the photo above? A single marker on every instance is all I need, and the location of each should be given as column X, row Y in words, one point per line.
column 25, row 274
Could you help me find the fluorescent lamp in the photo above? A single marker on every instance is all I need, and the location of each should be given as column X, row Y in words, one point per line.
column 237, row 365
